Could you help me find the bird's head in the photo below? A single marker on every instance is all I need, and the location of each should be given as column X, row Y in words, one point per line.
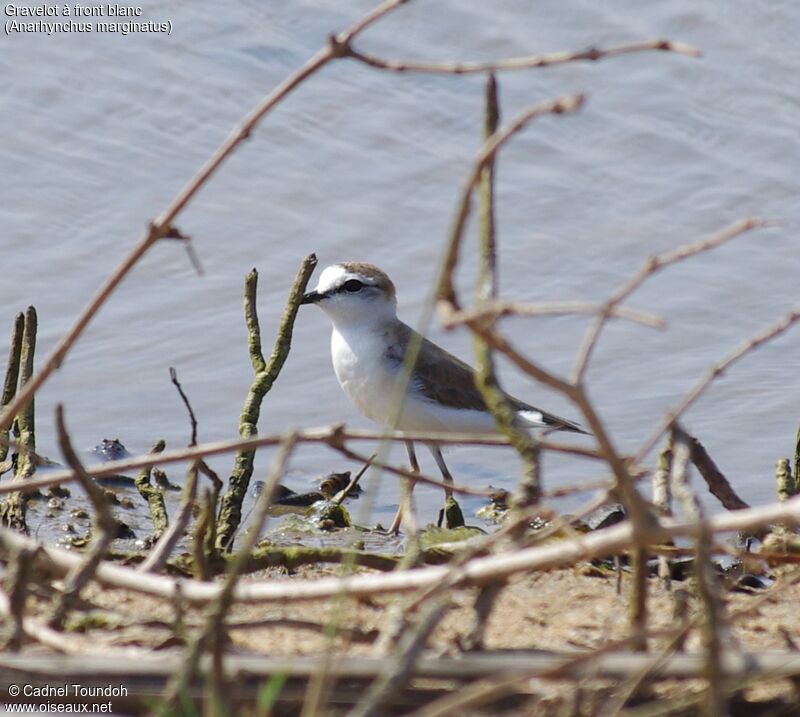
column 353, row 293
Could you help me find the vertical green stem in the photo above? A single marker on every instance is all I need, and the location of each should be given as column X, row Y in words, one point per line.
column 266, row 372
column 12, row 375
column 15, row 508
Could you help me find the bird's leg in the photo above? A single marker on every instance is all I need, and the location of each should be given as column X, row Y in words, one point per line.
column 448, row 480
column 406, row 508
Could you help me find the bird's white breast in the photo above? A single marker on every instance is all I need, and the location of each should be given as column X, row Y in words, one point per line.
column 362, row 371
column 369, row 379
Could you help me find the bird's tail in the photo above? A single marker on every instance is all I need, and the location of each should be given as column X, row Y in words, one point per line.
column 540, row 419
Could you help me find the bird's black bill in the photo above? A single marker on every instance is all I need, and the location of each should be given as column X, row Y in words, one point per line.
column 312, row 297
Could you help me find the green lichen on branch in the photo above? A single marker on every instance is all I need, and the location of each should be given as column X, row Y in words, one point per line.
column 266, row 372
column 15, row 508
column 290, row 557
column 797, row 462
column 154, row 496
column 12, row 376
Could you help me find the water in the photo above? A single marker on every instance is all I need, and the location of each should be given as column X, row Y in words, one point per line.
column 100, row 131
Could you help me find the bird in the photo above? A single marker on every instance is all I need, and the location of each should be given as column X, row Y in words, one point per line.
column 368, row 347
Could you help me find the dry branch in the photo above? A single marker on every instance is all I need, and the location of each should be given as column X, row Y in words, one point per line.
column 496, row 400
column 11, row 380
column 717, row 483
column 150, row 670
column 591, row 54
column 649, row 268
column 15, row 508
column 493, row 310
column 707, row 587
column 333, row 436
column 230, row 513
column 211, row 635
column 104, row 532
column 662, row 501
column 445, row 292
column 161, row 551
column 153, row 496
column 479, row 571
column 765, row 336
column 162, row 226
column 409, row 650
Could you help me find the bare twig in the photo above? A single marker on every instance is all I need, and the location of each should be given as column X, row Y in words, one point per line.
column 486, row 380
column 104, row 527
column 329, row 435
column 784, row 480
column 662, row 500
column 624, row 485
column 351, row 486
column 17, row 588
column 445, row 293
column 173, row 376
column 411, row 474
column 718, row 484
column 487, row 285
column 408, row 651
column 638, row 601
column 706, row 579
column 211, row 634
column 650, row 267
column 715, row 372
column 169, row 538
column 591, row 54
column 497, row 309
column 162, row 227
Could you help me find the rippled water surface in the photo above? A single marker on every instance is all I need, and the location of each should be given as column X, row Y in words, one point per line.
column 98, row 132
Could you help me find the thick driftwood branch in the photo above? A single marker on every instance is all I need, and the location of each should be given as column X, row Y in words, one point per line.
column 230, row 513
column 479, row 571
column 151, row 669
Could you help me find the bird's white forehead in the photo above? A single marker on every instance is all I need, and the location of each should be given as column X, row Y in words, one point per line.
column 333, row 276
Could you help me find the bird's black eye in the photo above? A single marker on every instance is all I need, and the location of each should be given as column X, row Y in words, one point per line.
column 352, row 285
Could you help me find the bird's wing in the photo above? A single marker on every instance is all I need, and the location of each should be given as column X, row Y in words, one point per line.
column 446, row 379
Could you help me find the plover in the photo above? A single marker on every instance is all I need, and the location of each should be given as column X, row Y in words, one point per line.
column 368, row 346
